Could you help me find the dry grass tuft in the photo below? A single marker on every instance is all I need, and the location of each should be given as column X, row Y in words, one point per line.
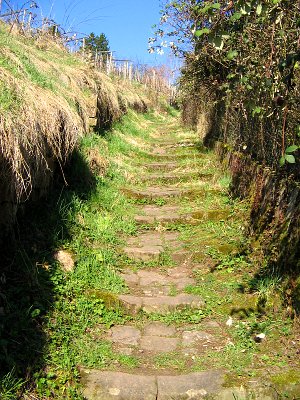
column 98, row 164
column 47, row 99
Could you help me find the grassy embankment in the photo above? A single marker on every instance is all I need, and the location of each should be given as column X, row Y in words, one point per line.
column 47, row 97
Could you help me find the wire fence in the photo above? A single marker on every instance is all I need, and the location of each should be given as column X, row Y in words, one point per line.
column 27, row 22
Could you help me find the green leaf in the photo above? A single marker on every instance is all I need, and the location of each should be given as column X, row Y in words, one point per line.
column 35, row 313
column 224, row 34
column 232, row 54
column 290, row 158
column 218, row 42
column 201, row 32
column 236, row 16
column 291, row 149
column 246, row 9
column 216, row 6
column 259, row 9
column 256, row 110
column 231, row 76
column 282, row 161
column 209, row 7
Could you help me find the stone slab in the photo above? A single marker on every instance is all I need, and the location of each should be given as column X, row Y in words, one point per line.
column 159, row 329
column 167, row 166
column 169, row 177
column 130, row 277
column 133, row 304
column 102, row 385
column 179, row 272
column 146, row 239
column 153, row 283
column 191, row 338
column 194, row 386
column 126, row 335
column 145, row 253
column 159, row 344
column 160, row 304
column 171, row 214
column 151, row 214
column 176, row 156
column 153, row 192
column 165, row 304
column 148, row 246
column 147, row 278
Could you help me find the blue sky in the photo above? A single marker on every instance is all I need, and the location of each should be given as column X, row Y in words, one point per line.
column 126, row 23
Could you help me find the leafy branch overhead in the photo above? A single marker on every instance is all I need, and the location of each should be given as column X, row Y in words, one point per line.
column 247, row 54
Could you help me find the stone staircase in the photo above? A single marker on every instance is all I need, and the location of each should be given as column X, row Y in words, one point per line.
column 159, row 290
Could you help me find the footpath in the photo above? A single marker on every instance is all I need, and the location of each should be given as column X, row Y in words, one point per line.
column 193, row 326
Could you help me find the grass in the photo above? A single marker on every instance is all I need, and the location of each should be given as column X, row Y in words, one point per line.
column 8, row 98
column 55, row 321
column 173, row 361
column 180, row 317
column 89, row 218
column 10, row 385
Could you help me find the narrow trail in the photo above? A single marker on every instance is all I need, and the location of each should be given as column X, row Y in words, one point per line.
column 181, row 301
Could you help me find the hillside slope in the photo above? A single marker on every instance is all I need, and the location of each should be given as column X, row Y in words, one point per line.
column 48, row 99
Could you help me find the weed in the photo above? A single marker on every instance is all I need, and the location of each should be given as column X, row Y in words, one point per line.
column 170, row 361
column 8, row 98
column 159, row 201
column 229, row 262
column 186, row 315
column 10, row 386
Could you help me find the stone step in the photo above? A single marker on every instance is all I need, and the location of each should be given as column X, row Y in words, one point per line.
column 164, row 146
column 175, row 177
column 160, row 304
column 165, row 142
column 108, row 385
column 162, row 166
column 151, row 214
column 155, row 192
column 152, row 283
column 174, row 156
column 158, row 338
column 150, row 245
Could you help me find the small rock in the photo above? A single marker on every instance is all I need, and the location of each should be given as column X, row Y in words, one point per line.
column 229, row 322
column 259, row 338
column 65, row 259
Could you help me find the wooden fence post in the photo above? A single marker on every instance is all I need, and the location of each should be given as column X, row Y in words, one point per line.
column 29, row 21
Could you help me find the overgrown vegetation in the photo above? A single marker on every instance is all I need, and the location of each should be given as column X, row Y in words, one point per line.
column 50, row 317
column 244, row 55
column 48, row 97
column 55, row 319
column 240, row 85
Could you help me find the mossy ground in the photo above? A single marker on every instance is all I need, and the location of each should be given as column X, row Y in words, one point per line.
column 52, row 320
